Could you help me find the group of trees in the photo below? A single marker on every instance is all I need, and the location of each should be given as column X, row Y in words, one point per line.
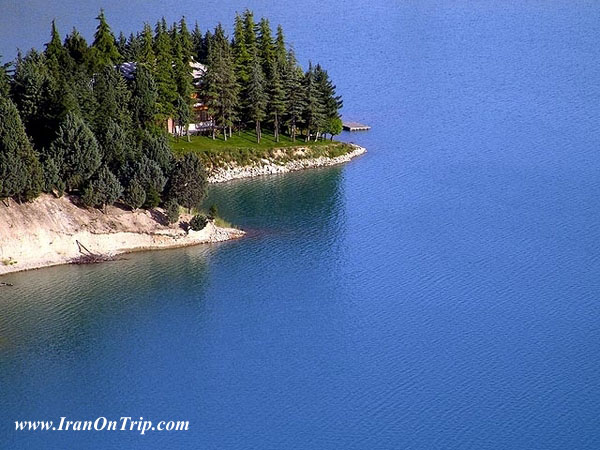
column 254, row 79
column 72, row 122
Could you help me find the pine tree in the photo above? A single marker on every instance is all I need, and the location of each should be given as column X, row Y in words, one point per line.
column 280, row 51
column 104, row 46
column 266, row 49
column 198, row 47
column 164, row 74
column 277, row 100
column 144, row 98
column 76, row 152
column 78, row 49
column 220, row 86
column 313, row 115
column 56, row 54
column 122, row 47
column 331, row 102
column 257, row 97
column 20, row 170
column 185, row 38
column 146, row 56
column 294, row 93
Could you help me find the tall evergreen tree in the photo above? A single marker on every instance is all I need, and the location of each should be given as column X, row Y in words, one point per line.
column 20, row 170
column 33, row 95
column 144, row 98
column 220, row 83
column 257, row 97
column 147, row 56
column 185, row 38
column 164, row 74
column 266, row 48
column 280, row 50
column 77, row 48
column 103, row 190
column 4, row 79
column 104, row 46
column 294, row 93
column 314, row 114
column 199, row 50
column 277, row 99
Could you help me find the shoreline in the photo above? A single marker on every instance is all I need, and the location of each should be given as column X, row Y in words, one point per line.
column 270, row 167
column 46, row 231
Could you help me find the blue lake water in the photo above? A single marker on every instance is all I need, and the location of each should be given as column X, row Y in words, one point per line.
column 440, row 292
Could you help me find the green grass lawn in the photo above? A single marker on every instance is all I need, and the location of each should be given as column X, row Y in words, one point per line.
column 243, row 148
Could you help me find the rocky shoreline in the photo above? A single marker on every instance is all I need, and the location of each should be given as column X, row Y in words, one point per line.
column 269, row 167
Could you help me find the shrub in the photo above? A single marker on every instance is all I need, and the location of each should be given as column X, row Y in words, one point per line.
column 198, row 222
column 134, row 196
column 172, row 210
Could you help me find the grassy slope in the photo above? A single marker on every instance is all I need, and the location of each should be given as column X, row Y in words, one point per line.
column 244, row 150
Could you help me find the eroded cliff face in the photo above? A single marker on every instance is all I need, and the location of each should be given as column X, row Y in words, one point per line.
column 47, row 232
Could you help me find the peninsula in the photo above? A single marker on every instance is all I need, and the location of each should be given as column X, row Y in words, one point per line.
column 112, row 144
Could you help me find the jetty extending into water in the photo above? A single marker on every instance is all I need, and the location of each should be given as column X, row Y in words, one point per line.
column 355, row 126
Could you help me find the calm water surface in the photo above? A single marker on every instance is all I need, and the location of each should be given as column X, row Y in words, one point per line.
column 440, row 292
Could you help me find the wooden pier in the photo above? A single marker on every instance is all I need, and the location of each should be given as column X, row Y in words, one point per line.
column 355, row 126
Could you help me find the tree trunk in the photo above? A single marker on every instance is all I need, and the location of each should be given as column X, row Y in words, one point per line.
column 276, row 128
column 258, row 132
column 224, row 132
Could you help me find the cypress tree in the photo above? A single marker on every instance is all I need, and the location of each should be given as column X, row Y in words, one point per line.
column 144, row 98
column 135, row 195
column 187, row 184
column 103, row 190
column 104, row 46
column 20, row 170
column 156, row 148
column 33, row 95
column 76, row 152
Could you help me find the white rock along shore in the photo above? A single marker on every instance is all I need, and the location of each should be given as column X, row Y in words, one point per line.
column 268, row 167
column 45, row 232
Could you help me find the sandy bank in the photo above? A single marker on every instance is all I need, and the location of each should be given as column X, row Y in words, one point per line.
column 45, row 232
column 267, row 167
